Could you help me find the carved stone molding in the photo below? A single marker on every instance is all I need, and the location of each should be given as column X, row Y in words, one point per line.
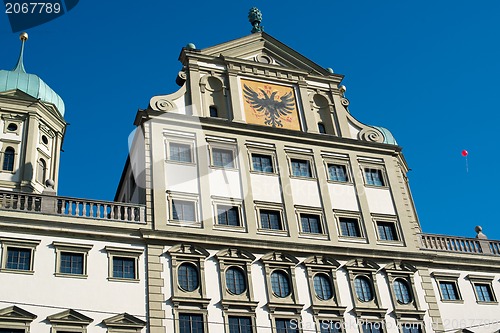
column 371, row 135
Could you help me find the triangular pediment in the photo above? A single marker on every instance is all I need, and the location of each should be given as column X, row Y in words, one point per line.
column 261, row 47
column 124, row 320
column 70, row 317
column 14, row 313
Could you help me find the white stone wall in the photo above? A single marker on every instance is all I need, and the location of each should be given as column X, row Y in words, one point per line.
column 44, row 294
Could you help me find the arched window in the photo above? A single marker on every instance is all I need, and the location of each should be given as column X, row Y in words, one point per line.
column 188, row 277
column 41, row 172
column 321, row 128
column 8, row 159
column 402, row 291
column 280, row 283
column 363, row 288
column 323, row 287
column 213, row 111
column 235, row 281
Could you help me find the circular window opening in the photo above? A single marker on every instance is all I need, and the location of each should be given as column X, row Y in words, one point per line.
column 280, row 284
column 45, row 140
column 188, row 277
column 402, row 291
column 323, row 287
column 235, row 281
column 12, row 127
column 363, row 288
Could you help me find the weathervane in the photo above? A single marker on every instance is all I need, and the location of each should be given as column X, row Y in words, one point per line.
column 255, row 17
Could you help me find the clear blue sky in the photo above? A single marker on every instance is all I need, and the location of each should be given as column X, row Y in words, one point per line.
column 427, row 70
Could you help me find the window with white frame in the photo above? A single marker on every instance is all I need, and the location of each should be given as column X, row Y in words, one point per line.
column 228, row 213
column 387, row 229
column 262, row 158
column 372, row 327
column 270, row 217
column 483, row 288
column 223, row 158
column 180, row 147
column 240, row 324
column 337, row 172
column 301, row 168
column 18, row 255
column 191, row 323
column 180, row 152
column 183, row 209
column 374, row 176
column 71, row 259
column 349, row 225
column 448, row 286
column 123, row 263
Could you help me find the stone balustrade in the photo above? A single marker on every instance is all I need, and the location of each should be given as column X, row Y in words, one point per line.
column 65, row 206
column 459, row 244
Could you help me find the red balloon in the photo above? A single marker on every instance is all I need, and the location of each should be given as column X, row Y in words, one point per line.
column 465, row 153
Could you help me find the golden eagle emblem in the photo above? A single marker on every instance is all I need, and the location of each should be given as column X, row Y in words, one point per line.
column 273, row 107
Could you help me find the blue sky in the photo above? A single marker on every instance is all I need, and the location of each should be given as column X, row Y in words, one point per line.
column 427, row 70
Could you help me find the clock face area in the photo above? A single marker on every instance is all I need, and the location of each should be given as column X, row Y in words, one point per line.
column 270, row 105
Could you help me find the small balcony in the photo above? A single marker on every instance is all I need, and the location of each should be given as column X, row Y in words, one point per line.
column 79, row 208
column 452, row 244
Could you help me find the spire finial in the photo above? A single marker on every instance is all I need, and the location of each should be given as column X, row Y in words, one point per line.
column 20, row 64
column 255, row 18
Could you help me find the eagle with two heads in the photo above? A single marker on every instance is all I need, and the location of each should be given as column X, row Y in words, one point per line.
column 273, row 109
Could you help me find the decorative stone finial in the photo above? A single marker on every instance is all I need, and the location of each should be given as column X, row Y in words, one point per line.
column 329, row 70
column 479, row 231
column 191, row 46
column 50, row 183
column 255, row 18
column 342, row 89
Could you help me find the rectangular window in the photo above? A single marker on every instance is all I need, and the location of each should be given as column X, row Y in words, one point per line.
column 183, row 210
column 18, row 258
column 222, row 158
column 124, row 268
column 484, row 292
column 374, row 177
column 286, row 326
column 72, row 263
column 374, row 327
column 240, row 324
column 337, row 172
column 449, row 291
column 11, row 330
column 270, row 219
column 311, row 223
column 411, row 328
column 180, row 152
column 262, row 163
column 228, row 215
column 387, row 231
column 349, row 227
column 191, row 323
column 330, row 326
column 301, row 168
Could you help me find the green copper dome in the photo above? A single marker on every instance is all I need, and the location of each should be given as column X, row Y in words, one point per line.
column 31, row 84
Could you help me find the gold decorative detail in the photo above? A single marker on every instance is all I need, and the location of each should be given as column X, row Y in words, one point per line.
column 270, row 105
